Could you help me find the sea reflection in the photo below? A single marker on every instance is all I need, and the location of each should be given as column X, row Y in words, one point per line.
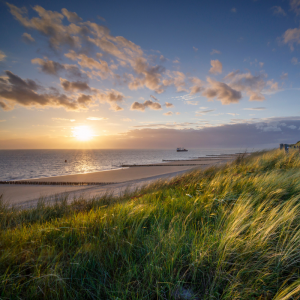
column 25, row 164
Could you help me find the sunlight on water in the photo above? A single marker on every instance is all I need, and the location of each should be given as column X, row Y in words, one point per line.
column 25, row 164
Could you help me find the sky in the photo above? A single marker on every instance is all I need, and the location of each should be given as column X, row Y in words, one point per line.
column 149, row 74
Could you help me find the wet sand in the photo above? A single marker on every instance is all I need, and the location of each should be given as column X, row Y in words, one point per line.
column 134, row 177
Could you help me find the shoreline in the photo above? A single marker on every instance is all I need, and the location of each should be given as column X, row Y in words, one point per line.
column 110, row 181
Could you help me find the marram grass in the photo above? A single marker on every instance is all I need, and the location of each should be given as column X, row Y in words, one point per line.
column 225, row 233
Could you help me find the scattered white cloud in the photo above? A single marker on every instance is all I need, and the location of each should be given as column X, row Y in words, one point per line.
column 101, row 18
column 284, row 76
column 277, row 10
column 255, row 108
column 203, row 112
column 176, row 61
column 291, row 37
column 191, row 102
column 96, row 119
column 295, row 61
column 197, row 87
column 195, row 49
column 154, row 98
column 27, row 38
column 177, row 113
column 2, row 55
column 147, row 104
column 177, row 79
column 162, row 58
column 216, row 67
column 261, row 64
column 214, row 51
column 292, row 127
column 253, row 85
column 169, row 113
column 2, row 121
column 222, row 92
column 232, row 114
column 234, row 10
column 127, row 120
column 63, row 119
column 167, row 104
column 295, row 6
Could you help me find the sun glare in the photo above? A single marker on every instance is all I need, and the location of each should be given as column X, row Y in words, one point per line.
column 83, row 133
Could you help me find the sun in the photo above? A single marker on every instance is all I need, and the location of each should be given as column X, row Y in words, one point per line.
column 83, row 133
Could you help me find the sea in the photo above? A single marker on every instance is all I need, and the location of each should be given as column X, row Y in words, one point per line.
column 28, row 164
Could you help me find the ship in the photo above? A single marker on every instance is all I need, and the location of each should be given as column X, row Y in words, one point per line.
column 181, row 150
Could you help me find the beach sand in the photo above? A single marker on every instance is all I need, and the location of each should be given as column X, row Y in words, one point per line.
column 20, row 195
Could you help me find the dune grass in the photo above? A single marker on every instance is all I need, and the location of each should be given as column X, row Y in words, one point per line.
column 231, row 232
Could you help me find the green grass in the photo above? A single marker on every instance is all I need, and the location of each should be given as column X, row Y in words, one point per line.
column 225, row 233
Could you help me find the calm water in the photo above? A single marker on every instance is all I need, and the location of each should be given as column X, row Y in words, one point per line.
column 25, row 164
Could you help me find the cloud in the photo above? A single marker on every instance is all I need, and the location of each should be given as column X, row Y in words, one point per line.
column 49, row 24
column 291, row 37
column 74, row 86
column 167, row 104
column 71, row 16
column 195, row 49
column 96, row 119
column 115, row 107
column 127, row 120
column 15, row 90
column 295, row 6
column 169, row 113
column 255, row 108
column 277, row 10
column 27, row 38
column 216, row 67
column 222, row 92
column 191, row 102
column 197, row 87
column 176, row 61
column 84, row 61
column 2, row 55
column 295, row 61
column 292, row 127
column 178, row 113
column 120, row 51
column 268, row 128
column 147, row 104
column 214, row 51
column 101, row 18
column 233, row 10
column 284, row 76
column 177, row 79
column 253, row 86
column 154, row 98
column 111, row 97
column 261, row 64
column 54, row 68
column 62, row 119
column 203, row 112
column 2, row 121
column 162, row 58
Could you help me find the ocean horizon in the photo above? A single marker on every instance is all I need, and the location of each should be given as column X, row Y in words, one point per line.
column 39, row 163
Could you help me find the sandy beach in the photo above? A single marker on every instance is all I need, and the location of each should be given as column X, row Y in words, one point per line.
column 27, row 195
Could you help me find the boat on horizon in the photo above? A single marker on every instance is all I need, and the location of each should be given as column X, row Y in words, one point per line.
column 181, row 150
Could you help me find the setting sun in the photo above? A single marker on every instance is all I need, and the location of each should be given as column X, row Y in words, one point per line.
column 83, row 133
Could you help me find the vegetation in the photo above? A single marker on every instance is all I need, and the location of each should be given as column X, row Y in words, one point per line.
column 225, row 233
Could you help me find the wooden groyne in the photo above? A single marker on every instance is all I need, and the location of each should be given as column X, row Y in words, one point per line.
column 54, row 182
column 163, row 165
